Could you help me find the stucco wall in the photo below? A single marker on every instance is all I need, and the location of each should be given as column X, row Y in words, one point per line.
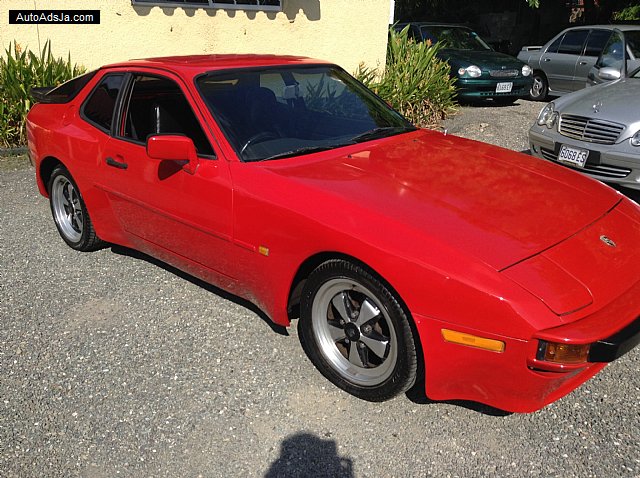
column 346, row 32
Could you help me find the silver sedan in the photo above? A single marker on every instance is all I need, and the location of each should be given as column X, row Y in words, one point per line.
column 563, row 63
column 595, row 131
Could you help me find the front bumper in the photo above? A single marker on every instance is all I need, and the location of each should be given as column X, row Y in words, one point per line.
column 480, row 88
column 617, row 164
column 615, row 346
column 512, row 380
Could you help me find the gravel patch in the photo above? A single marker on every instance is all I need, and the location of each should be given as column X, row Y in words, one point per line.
column 112, row 364
column 506, row 126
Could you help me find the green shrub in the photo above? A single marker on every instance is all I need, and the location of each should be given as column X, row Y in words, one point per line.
column 415, row 82
column 631, row 12
column 19, row 72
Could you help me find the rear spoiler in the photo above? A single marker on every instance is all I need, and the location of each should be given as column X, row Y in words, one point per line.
column 40, row 94
column 532, row 48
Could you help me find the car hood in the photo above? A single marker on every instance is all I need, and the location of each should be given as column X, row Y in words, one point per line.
column 489, row 60
column 488, row 202
column 617, row 101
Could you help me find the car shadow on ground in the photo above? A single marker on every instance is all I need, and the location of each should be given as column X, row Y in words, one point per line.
column 125, row 251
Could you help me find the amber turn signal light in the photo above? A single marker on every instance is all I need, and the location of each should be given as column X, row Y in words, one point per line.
column 473, row 341
column 563, row 353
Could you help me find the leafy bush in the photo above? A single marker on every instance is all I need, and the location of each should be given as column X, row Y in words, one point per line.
column 19, row 72
column 415, row 82
column 632, row 12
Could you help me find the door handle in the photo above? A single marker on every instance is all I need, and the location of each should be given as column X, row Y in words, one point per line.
column 583, row 62
column 547, row 59
column 116, row 164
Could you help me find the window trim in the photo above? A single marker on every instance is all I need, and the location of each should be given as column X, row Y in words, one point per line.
column 86, row 100
column 211, row 5
column 123, row 109
column 584, row 42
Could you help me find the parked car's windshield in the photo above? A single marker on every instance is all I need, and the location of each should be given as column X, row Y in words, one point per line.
column 611, row 55
column 275, row 112
column 455, row 38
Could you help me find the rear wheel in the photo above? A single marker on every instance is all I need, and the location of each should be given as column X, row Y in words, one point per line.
column 70, row 212
column 356, row 333
column 539, row 88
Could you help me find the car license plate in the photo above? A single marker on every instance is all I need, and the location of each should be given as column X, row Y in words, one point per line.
column 573, row 156
column 504, row 87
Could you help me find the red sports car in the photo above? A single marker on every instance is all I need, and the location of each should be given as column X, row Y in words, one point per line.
column 410, row 257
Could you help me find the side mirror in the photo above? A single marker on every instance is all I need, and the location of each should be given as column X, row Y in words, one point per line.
column 173, row 148
column 609, row 74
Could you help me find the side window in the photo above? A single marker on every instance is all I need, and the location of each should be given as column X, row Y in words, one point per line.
column 596, row 42
column 572, row 42
column 158, row 106
column 98, row 109
column 553, row 48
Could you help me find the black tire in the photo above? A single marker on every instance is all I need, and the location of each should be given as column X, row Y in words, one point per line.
column 70, row 212
column 540, row 88
column 356, row 333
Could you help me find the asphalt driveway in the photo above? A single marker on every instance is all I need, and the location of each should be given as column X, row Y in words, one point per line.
column 112, row 364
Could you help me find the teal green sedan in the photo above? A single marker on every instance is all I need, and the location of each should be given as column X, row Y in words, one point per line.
column 480, row 72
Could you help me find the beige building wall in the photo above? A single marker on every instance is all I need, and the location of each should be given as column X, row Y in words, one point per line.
column 346, row 32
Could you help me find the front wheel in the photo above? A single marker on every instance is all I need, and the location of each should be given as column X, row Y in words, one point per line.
column 356, row 333
column 539, row 88
column 70, row 212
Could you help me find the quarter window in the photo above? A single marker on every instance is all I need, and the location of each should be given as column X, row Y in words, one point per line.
column 272, row 5
column 98, row 109
column 158, row 106
column 553, row 48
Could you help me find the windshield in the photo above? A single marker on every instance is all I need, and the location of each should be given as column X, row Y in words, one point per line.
column 611, row 55
column 455, row 38
column 275, row 112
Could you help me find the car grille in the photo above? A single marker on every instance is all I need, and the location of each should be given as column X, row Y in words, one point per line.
column 504, row 73
column 601, row 170
column 589, row 129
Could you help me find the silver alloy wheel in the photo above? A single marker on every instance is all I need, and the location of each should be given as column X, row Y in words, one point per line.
column 537, row 89
column 354, row 332
column 67, row 208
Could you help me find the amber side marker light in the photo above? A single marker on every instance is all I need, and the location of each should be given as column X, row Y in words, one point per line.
column 563, row 353
column 472, row 341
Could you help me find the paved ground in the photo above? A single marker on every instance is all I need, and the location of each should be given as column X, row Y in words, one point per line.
column 114, row 365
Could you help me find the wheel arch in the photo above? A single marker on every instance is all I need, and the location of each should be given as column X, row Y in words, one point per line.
column 540, row 71
column 312, row 262
column 45, row 170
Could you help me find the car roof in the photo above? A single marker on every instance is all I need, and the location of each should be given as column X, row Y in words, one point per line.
column 622, row 27
column 201, row 63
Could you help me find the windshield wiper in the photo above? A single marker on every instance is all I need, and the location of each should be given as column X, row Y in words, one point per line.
column 381, row 132
column 305, row 150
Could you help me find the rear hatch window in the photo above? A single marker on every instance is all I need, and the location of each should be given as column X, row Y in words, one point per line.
column 63, row 93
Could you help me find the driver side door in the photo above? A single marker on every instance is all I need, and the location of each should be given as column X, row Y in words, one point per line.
column 182, row 217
